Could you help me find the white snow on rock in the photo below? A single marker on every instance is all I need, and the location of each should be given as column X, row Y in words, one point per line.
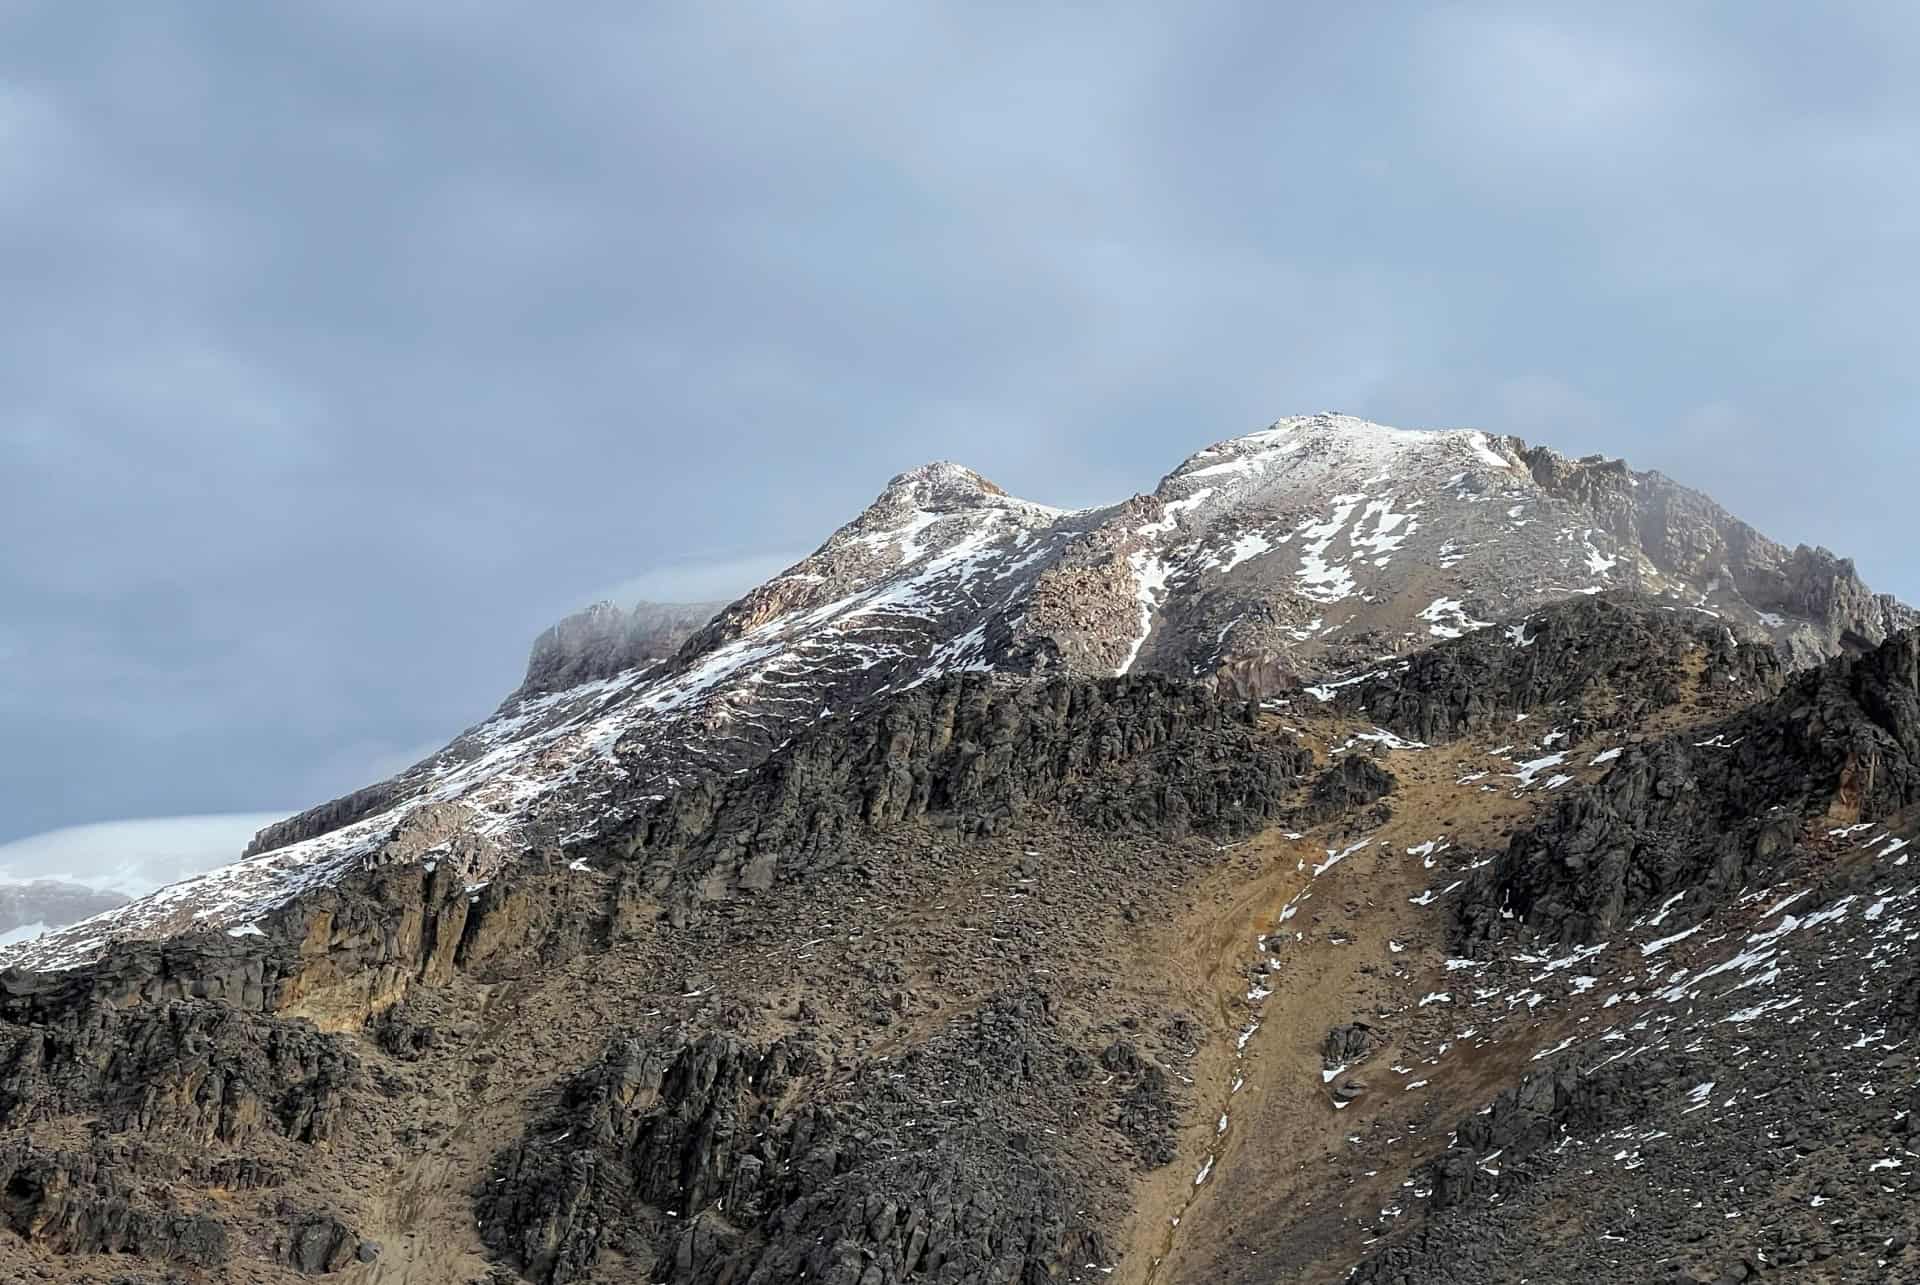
column 1533, row 767
column 1448, row 618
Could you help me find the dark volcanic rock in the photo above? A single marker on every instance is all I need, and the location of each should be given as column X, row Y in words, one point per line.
column 969, row 753
column 1610, row 659
column 194, row 1070
column 74, row 1203
column 1350, row 1043
column 317, row 1244
column 689, row 1157
column 1351, row 783
column 1703, row 811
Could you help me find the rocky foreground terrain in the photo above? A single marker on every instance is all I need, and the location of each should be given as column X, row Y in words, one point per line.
column 1377, row 856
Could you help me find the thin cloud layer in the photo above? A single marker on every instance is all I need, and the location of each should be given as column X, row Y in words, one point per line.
column 132, row 857
column 349, row 346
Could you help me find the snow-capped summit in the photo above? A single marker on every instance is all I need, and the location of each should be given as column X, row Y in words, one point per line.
column 940, row 485
column 1315, row 544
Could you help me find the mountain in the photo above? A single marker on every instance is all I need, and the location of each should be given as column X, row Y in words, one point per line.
column 1321, row 543
column 1377, row 855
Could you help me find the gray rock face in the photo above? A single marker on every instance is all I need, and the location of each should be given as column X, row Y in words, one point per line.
column 968, row 754
column 322, row 818
column 194, row 1070
column 1350, row 784
column 963, row 756
column 317, row 1244
column 1823, row 606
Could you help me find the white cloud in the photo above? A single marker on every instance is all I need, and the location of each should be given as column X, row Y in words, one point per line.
column 1538, row 83
column 1717, row 424
column 133, row 856
column 1544, row 408
column 701, row 580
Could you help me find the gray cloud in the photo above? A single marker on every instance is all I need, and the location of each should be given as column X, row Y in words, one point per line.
column 702, row 578
column 348, row 346
column 132, row 857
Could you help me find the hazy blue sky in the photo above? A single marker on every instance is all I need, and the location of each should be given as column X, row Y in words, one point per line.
column 346, row 345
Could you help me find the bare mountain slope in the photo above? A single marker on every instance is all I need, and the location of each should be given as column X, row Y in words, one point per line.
column 1320, row 543
column 1077, row 980
column 1410, row 858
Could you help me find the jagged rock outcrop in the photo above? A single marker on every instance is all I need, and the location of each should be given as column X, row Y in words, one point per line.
column 1535, row 1112
column 1605, row 661
column 689, row 1157
column 316, row 1244
column 1684, row 534
column 1145, row 1112
column 1349, row 1043
column 1701, row 812
column 963, row 755
column 322, row 818
column 193, row 1070
column 648, row 1134
column 76, row 1203
column 1349, row 785
column 967, row 753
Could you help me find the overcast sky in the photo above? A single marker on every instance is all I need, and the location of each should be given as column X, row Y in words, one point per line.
column 347, row 345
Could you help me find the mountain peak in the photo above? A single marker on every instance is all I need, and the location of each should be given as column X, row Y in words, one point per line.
column 1312, row 547
column 939, row 485
column 1330, row 440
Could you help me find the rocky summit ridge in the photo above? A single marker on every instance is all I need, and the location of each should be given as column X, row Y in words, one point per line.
column 1401, row 857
